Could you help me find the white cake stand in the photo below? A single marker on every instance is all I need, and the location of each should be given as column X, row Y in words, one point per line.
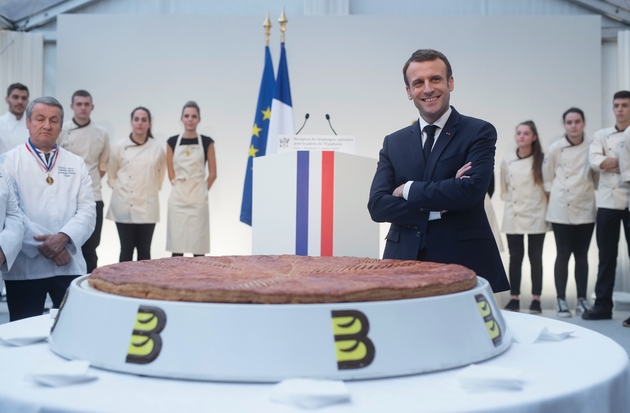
column 271, row 342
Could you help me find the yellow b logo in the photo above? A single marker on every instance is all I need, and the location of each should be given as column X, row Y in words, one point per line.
column 146, row 342
column 354, row 349
column 491, row 323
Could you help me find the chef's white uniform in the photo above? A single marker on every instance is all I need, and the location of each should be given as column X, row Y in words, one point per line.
column 188, row 214
column 135, row 174
column 13, row 132
column 11, row 222
column 66, row 205
column 525, row 201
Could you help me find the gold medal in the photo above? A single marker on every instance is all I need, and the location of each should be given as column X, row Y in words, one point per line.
column 49, row 180
column 187, row 153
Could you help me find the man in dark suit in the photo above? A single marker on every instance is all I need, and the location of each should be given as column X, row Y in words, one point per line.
column 436, row 211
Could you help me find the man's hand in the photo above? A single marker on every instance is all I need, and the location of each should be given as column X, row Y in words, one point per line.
column 460, row 173
column 610, row 165
column 52, row 244
column 399, row 191
column 2, row 257
column 63, row 258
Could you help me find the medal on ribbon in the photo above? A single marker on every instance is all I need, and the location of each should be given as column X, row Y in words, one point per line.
column 47, row 165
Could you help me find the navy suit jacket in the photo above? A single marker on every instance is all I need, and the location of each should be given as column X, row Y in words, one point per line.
column 463, row 235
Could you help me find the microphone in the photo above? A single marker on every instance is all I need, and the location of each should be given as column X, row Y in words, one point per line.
column 330, row 124
column 305, row 119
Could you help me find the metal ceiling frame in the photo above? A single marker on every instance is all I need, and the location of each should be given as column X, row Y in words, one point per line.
column 45, row 16
column 616, row 10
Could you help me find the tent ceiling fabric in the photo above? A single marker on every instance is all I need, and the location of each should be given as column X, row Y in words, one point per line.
column 15, row 10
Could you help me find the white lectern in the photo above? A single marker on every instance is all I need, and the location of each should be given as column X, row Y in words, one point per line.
column 313, row 203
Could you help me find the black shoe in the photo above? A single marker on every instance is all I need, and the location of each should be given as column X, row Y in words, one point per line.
column 534, row 307
column 513, row 305
column 626, row 322
column 598, row 314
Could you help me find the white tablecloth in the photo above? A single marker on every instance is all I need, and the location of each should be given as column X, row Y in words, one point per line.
column 587, row 372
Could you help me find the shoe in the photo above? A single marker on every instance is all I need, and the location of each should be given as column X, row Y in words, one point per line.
column 626, row 322
column 513, row 305
column 597, row 314
column 534, row 307
column 562, row 309
column 582, row 306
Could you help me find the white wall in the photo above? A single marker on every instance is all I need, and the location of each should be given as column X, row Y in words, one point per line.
column 347, row 66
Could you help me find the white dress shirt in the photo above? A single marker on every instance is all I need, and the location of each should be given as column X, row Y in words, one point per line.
column 440, row 123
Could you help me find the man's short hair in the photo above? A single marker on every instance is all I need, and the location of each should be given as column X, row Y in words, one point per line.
column 18, row 86
column 427, row 55
column 46, row 100
column 622, row 94
column 82, row 93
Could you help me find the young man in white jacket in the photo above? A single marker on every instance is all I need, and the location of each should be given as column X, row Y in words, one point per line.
column 54, row 191
column 612, row 205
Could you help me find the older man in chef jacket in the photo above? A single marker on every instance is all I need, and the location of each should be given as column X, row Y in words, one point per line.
column 54, row 191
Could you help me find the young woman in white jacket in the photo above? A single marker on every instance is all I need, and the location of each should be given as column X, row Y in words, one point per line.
column 570, row 182
column 525, row 210
column 136, row 171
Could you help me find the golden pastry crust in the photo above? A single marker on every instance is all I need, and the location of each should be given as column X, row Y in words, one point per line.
column 280, row 279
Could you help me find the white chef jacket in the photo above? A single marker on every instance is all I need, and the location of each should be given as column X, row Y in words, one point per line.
column 11, row 221
column 623, row 150
column 136, row 173
column 612, row 192
column 570, row 182
column 525, row 201
column 12, row 131
column 65, row 206
column 90, row 142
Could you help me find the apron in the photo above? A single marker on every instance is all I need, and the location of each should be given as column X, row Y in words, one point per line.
column 188, row 218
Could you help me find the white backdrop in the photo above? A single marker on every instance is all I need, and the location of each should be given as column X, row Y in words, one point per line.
column 506, row 70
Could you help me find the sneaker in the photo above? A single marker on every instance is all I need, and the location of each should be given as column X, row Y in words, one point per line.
column 534, row 307
column 513, row 305
column 626, row 322
column 582, row 306
column 562, row 309
column 597, row 313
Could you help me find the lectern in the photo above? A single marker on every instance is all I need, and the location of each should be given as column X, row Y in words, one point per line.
column 313, row 203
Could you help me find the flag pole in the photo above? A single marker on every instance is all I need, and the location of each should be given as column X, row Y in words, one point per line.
column 267, row 26
column 283, row 23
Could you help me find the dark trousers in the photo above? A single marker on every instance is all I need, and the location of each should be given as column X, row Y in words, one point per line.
column 572, row 239
column 26, row 298
column 607, row 234
column 517, row 253
column 89, row 248
column 135, row 236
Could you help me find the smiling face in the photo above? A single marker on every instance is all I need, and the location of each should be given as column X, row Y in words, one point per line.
column 44, row 126
column 429, row 88
column 190, row 119
column 524, row 137
column 140, row 122
column 17, row 101
column 574, row 125
column 82, row 107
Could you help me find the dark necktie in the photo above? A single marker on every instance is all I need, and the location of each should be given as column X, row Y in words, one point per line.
column 428, row 144
column 47, row 155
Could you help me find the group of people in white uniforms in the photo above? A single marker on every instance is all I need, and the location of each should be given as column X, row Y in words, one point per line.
column 579, row 186
column 136, row 170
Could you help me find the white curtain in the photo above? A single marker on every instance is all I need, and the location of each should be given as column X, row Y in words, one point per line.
column 21, row 61
column 623, row 59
